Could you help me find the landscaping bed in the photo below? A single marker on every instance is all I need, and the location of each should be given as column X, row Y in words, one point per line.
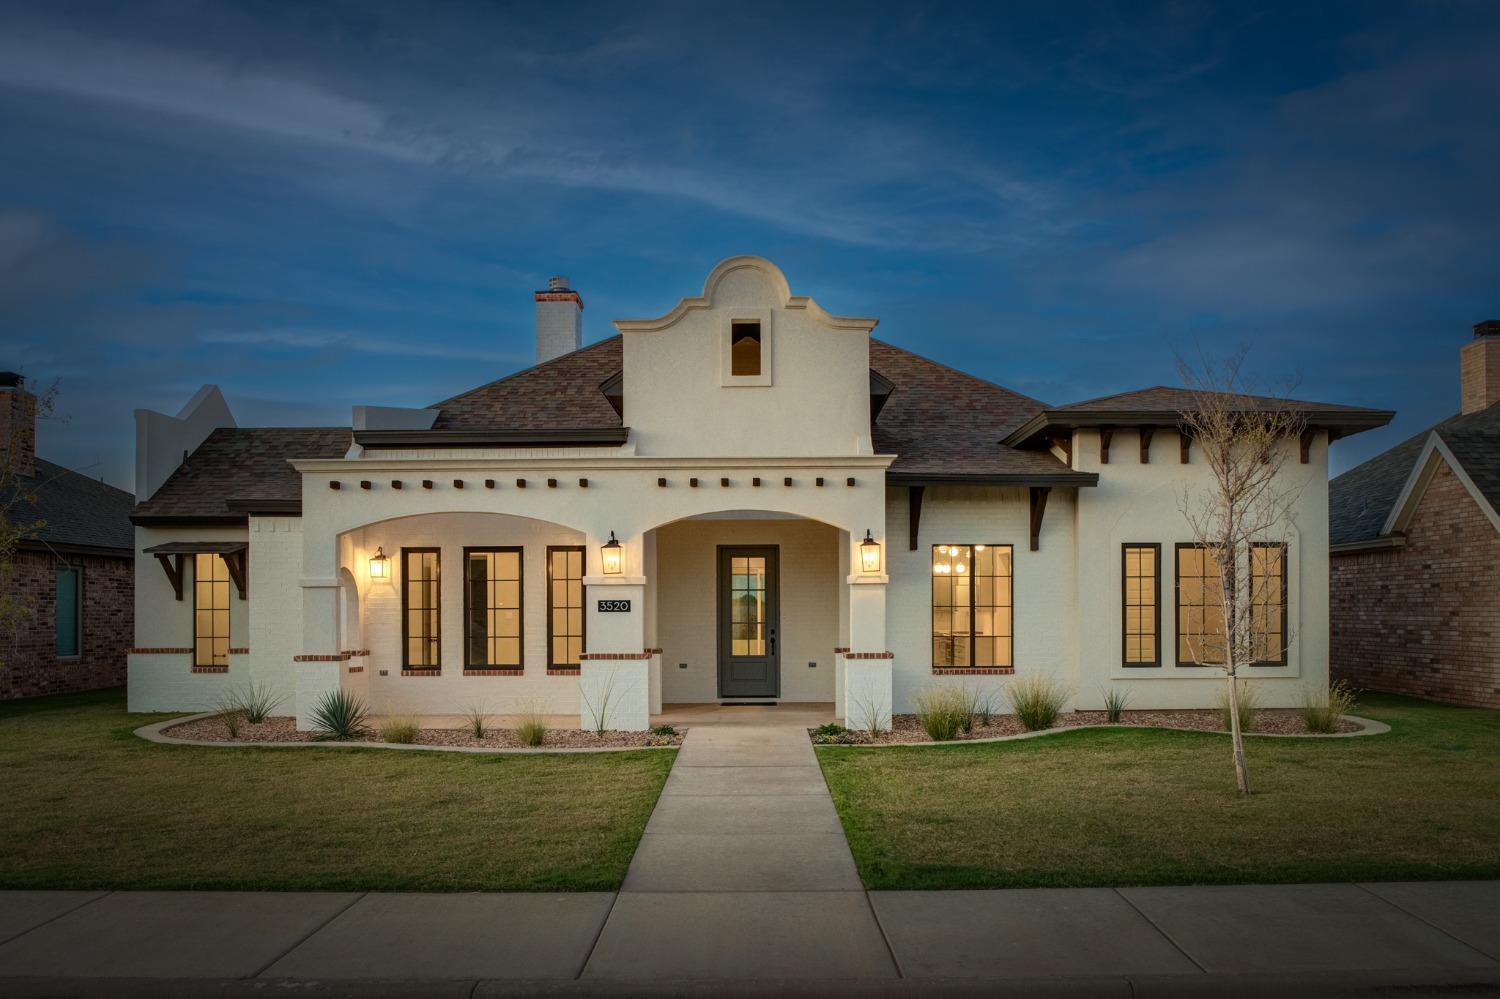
column 907, row 729
column 284, row 729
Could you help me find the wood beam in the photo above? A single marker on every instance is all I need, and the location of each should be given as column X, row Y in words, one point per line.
column 1106, row 434
column 172, row 564
column 1184, row 445
column 1308, row 436
column 1039, row 496
column 235, row 563
column 1146, row 434
column 1065, row 441
column 913, row 514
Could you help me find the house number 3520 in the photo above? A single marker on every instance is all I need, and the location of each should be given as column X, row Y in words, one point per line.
column 606, row 606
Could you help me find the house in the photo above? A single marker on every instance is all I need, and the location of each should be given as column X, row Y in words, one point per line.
column 744, row 499
column 71, row 584
column 1415, row 546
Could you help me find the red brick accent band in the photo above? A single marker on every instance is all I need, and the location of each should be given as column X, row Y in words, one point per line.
column 355, row 669
column 517, row 671
column 421, row 672
column 210, row 669
column 239, row 652
column 354, row 653
column 326, row 657
column 869, row 655
column 157, row 652
column 564, row 671
column 979, row 671
column 560, row 296
column 615, row 655
column 653, row 652
column 841, row 650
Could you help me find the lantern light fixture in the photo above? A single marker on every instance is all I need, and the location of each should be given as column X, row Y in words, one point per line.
column 609, row 555
column 380, row 566
column 869, row 553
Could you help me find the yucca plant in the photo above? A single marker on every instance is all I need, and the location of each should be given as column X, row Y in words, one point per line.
column 477, row 721
column 257, row 701
column 401, row 729
column 1115, row 700
column 1037, row 701
column 1321, row 714
column 227, row 710
column 339, row 714
column 1248, row 699
column 941, row 712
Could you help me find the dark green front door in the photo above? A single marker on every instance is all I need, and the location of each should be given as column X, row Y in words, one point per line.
column 748, row 663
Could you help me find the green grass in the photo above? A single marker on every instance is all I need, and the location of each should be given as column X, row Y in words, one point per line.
column 86, row 804
column 1123, row 807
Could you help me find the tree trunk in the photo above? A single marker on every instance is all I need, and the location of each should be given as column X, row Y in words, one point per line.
column 1236, row 737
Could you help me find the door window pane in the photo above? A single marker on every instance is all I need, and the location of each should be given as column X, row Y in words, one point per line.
column 747, row 606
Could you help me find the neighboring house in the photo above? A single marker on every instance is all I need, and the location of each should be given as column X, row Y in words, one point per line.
column 73, row 579
column 1415, row 543
column 746, row 499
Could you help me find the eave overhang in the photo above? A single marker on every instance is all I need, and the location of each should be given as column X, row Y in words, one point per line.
column 544, row 437
column 1037, row 430
column 1042, row 479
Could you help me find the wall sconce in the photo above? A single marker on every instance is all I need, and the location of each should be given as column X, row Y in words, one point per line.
column 869, row 553
column 609, row 554
column 380, row 566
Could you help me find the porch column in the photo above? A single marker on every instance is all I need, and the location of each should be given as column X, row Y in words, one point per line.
column 867, row 674
column 614, row 676
column 318, row 667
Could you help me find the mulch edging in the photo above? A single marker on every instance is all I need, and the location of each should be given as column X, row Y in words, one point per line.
column 905, row 730
column 198, row 730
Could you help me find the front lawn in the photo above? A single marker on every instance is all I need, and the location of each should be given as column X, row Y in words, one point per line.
column 1126, row 807
column 86, row 804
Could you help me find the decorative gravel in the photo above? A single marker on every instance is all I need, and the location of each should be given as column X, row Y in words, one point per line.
column 284, row 729
column 906, row 728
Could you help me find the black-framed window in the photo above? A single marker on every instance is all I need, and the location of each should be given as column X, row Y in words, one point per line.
column 210, row 610
column 1140, row 567
column 1200, row 607
column 69, row 606
column 565, row 624
column 972, row 606
column 421, row 608
column 493, row 608
column 1268, row 603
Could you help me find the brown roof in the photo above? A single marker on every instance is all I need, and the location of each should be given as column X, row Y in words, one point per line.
column 1167, row 399
column 559, row 394
column 241, row 463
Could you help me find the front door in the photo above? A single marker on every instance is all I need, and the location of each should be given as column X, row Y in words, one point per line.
column 748, row 663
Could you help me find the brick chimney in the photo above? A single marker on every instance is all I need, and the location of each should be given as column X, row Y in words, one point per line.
column 1479, row 367
column 559, row 320
column 17, row 424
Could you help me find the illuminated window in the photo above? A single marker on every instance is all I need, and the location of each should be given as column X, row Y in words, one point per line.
column 1142, row 604
column 210, row 610
column 492, row 607
column 564, row 606
column 744, row 349
column 420, row 607
column 1268, row 603
column 1200, row 607
column 971, row 606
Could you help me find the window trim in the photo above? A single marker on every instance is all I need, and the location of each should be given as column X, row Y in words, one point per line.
column 727, row 377
column 406, row 665
column 583, row 618
column 228, row 582
column 77, row 569
column 1155, row 547
column 520, row 551
column 1285, row 575
column 1010, row 609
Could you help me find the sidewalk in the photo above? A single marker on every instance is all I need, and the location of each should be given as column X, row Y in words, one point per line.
column 743, row 882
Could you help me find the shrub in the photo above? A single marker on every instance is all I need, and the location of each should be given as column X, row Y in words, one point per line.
column 1037, row 701
column 257, row 701
column 664, row 730
column 227, row 710
column 531, row 725
column 476, row 721
column 868, row 715
column 985, row 709
column 1249, row 701
column 340, row 715
column 942, row 711
column 968, row 703
column 1115, row 699
column 829, row 729
column 399, row 728
column 1321, row 714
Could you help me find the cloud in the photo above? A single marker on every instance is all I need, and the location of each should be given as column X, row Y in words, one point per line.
column 356, row 342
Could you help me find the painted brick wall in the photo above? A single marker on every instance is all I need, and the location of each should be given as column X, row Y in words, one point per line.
column 31, row 665
column 1424, row 619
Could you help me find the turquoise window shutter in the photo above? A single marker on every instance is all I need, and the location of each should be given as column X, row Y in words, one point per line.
column 68, row 611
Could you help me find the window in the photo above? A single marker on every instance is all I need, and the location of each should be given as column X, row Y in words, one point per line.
column 564, row 606
column 69, row 610
column 971, row 606
column 1142, row 604
column 1200, row 607
column 744, row 349
column 1268, row 603
column 210, row 610
column 420, row 607
column 492, row 607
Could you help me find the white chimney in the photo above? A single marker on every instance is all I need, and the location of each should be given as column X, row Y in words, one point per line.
column 559, row 320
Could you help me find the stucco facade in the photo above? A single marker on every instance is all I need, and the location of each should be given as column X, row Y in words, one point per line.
column 806, row 456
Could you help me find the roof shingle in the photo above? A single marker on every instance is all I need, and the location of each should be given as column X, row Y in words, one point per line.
column 76, row 510
column 242, row 463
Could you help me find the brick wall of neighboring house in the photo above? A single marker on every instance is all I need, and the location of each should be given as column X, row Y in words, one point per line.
column 30, row 663
column 1424, row 619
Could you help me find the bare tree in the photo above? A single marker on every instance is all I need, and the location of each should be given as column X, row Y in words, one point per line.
column 1240, row 522
column 19, row 483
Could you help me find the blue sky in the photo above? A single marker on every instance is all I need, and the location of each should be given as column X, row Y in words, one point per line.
column 322, row 206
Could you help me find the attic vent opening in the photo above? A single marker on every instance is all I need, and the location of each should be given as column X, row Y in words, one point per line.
column 744, row 349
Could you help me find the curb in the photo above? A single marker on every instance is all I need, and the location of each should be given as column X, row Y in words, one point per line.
column 1370, row 727
column 156, row 732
